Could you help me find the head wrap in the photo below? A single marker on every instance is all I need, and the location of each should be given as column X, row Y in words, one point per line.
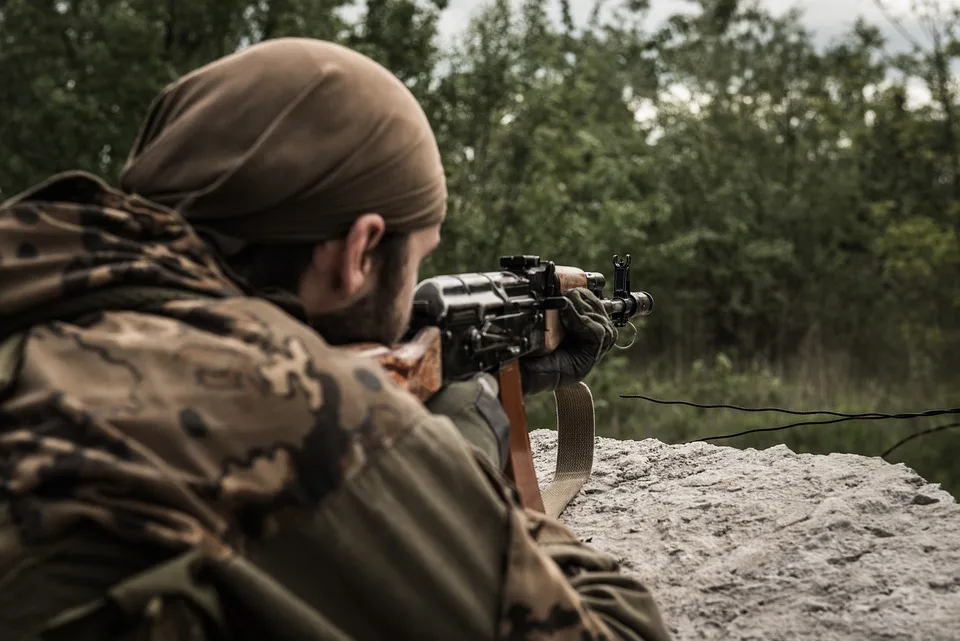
column 289, row 140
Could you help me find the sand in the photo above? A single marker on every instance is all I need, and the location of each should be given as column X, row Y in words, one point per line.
column 770, row 544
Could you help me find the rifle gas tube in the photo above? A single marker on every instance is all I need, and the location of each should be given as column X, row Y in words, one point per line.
column 465, row 324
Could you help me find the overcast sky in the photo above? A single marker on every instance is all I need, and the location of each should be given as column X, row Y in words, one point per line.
column 827, row 18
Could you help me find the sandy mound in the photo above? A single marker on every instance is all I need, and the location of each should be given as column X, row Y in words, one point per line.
column 768, row 545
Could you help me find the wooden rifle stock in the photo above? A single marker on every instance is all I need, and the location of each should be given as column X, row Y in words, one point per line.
column 417, row 367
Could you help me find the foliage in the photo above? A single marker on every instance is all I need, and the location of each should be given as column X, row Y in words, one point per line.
column 796, row 218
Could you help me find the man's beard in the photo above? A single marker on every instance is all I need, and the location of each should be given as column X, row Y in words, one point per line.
column 375, row 318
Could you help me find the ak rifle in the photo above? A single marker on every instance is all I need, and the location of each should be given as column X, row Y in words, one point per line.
column 465, row 324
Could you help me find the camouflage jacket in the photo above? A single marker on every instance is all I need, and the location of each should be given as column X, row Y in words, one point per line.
column 214, row 421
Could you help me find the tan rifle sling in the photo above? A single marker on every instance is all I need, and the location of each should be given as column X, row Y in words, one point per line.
column 576, row 429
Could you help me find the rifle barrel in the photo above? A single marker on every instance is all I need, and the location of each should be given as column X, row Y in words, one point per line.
column 622, row 309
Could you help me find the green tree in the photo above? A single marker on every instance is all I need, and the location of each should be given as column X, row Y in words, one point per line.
column 794, row 216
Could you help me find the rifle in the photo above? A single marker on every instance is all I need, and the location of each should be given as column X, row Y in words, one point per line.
column 465, row 324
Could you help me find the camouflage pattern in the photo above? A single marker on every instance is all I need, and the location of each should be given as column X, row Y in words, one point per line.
column 218, row 421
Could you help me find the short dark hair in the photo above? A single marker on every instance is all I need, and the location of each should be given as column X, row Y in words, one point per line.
column 280, row 265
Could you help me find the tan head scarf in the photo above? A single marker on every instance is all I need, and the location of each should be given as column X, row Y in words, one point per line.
column 289, row 140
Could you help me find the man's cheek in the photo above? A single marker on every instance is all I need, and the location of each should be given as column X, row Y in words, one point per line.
column 402, row 313
column 405, row 297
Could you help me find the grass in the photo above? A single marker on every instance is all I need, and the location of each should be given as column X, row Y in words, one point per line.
column 806, row 386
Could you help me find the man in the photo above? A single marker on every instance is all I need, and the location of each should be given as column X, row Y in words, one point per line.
column 169, row 415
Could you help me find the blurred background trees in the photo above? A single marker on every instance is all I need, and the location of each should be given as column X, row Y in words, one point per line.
column 794, row 212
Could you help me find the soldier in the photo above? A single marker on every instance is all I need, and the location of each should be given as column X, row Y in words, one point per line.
column 184, row 457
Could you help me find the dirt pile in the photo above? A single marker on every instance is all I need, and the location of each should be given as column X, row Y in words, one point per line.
column 769, row 545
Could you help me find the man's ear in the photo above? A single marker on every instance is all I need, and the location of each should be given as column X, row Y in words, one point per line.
column 353, row 264
column 341, row 270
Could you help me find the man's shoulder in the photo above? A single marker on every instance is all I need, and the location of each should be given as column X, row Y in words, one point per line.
column 240, row 349
column 236, row 386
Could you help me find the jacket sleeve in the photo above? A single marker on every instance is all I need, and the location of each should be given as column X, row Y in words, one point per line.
column 428, row 542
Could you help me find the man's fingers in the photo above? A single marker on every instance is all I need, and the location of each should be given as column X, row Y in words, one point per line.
column 586, row 301
column 584, row 313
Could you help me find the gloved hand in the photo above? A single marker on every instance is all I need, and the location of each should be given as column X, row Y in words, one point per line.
column 589, row 335
column 474, row 407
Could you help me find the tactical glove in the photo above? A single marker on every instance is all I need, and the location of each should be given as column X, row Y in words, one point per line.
column 475, row 409
column 589, row 335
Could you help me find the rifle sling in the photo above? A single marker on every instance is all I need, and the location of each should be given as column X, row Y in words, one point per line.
column 576, row 428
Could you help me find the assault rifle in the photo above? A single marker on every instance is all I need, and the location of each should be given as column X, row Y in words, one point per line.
column 465, row 324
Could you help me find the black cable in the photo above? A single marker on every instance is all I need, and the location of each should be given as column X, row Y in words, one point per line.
column 932, row 430
column 739, row 408
column 879, row 417
column 867, row 416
